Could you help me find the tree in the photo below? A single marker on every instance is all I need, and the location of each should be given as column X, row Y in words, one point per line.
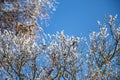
column 18, row 28
column 17, row 56
column 64, row 57
column 20, row 57
column 24, row 55
column 104, row 51
column 21, row 16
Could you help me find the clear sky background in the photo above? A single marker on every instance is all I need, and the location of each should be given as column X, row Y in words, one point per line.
column 80, row 16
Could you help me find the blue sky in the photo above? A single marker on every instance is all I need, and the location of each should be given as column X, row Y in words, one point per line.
column 80, row 16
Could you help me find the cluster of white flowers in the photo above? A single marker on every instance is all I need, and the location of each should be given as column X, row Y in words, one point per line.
column 93, row 36
column 61, row 54
column 18, row 49
column 62, row 43
column 118, row 32
column 112, row 20
column 63, row 51
column 103, row 32
column 30, row 11
column 104, row 47
column 16, row 42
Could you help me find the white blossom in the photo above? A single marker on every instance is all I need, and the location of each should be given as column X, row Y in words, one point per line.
column 103, row 32
column 98, row 22
column 118, row 31
column 93, row 36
